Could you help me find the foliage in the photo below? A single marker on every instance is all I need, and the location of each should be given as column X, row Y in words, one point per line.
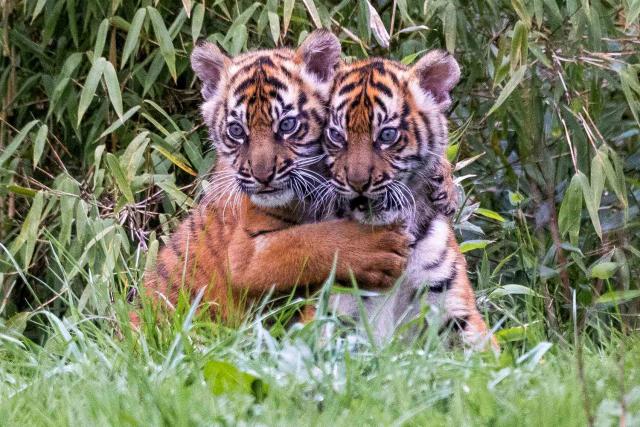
column 102, row 150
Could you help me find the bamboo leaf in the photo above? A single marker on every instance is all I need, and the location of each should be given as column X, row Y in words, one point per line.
column 90, row 86
column 113, row 87
column 133, row 36
column 101, row 39
column 570, row 210
column 187, row 7
column 449, row 21
column 15, row 143
column 286, row 15
column 182, row 164
column 313, row 11
column 120, row 178
column 38, row 144
column 513, row 82
column 590, row 201
column 274, row 20
column 471, row 245
column 196, row 21
column 164, row 40
column 604, row 270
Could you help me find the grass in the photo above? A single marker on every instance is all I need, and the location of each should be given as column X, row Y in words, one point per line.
column 87, row 372
column 102, row 152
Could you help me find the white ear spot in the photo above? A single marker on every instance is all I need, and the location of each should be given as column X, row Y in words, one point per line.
column 435, row 75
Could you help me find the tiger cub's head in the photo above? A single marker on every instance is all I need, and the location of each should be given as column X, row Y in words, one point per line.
column 265, row 111
column 387, row 125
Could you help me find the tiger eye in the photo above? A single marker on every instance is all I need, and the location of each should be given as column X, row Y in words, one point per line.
column 236, row 131
column 336, row 136
column 388, row 135
column 288, row 125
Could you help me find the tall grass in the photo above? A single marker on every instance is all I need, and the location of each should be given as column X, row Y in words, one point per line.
column 102, row 152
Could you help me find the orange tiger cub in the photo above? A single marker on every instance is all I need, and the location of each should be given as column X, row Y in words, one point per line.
column 385, row 144
column 265, row 112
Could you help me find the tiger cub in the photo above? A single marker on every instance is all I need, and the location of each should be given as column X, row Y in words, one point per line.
column 265, row 111
column 385, row 142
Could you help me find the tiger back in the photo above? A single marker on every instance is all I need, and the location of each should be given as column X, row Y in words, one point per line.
column 265, row 112
column 385, row 141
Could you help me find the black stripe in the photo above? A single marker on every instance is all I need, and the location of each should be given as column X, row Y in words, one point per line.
column 347, row 88
column 254, row 234
column 382, row 88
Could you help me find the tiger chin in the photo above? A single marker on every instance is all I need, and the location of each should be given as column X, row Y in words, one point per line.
column 251, row 233
column 385, row 144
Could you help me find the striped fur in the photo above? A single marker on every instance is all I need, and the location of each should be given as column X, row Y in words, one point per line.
column 265, row 112
column 385, row 142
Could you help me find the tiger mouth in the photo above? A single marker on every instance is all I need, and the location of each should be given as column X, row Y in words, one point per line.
column 360, row 203
column 269, row 191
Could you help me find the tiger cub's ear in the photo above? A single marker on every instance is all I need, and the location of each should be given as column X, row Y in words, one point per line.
column 436, row 74
column 319, row 56
column 209, row 64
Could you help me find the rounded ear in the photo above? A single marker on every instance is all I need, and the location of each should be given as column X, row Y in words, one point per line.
column 209, row 64
column 320, row 55
column 437, row 73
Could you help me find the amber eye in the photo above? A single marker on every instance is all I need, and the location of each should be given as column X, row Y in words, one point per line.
column 288, row 125
column 388, row 135
column 236, row 131
column 336, row 136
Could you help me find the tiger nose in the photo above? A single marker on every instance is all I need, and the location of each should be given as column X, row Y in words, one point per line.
column 358, row 180
column 264, row 172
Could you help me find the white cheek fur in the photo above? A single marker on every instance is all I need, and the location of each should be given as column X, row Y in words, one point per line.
column 273, row 200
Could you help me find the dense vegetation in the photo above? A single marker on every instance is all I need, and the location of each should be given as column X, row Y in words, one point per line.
column 102, row 151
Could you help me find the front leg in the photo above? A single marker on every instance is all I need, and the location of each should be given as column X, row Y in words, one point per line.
column 304, row 254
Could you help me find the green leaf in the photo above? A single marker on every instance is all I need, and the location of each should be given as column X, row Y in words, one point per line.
column 471, row 245
column 29, row 231
column 515, row 198
column 570, row 210
column 590, row 201
column 36, row 11
column 313, row 11
column 38, row 144
column 164, row 40
column 133, row 36
column 90, row 86
column 604, row 270
column 101, row 39
column 176, row 160
column 597, row 177
column 187, row 7
column 513, row 82
column 13, row 146
column 487, row 213
column 240, row 21
column 196, row 21
column 119, row 177
column 519, row 45
column 513, row 290
column 22, row 191
column 632, row 12
column 113, row 87
column 274, row 20
column 225, row 378
column 286, row 15
column 618, row 297
column 122, row 120
column 449, row 25
column 175, row 194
